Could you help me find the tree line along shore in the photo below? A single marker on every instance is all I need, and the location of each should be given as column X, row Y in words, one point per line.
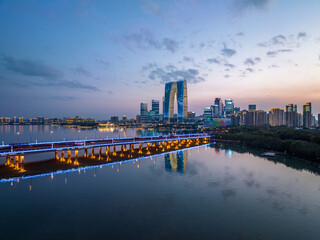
column 302, row 143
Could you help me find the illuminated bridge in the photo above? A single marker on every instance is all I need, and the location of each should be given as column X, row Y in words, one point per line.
column 107, row 148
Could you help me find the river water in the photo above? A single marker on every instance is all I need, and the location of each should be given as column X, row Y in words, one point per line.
column 208, row 192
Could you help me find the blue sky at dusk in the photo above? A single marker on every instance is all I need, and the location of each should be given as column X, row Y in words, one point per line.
column 102, row 58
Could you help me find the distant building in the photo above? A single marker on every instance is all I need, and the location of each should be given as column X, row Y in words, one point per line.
column 191, row 115
column 124, row 119
column 313, row 121
column 114, row 119
column 318, row 119
column 236, row 110
column 252, row 107
column 229, row 107
column 300, row 119
column 138, row 118
column 261, row 118
column 276, row 117
column 151, row 116
column 155, row 109
column 207, row 113
column 291, row 115
column 307, row 115
column 217, row 108
column 143, row 112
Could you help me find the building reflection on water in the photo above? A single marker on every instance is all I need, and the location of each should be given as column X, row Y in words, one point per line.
column 176, row 162
column 229, row 153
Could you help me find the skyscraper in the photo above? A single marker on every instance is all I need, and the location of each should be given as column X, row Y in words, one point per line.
column 276, row 117
column 291, row 115
column 207, row 113
column 252, row 107
column 318, row 119
column 229, row 107
column 307, row 115
column 155, row 109
column 217, row 108
column 178, row 89
column 143, row 112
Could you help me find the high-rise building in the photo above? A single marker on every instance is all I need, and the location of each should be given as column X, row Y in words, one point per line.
column 155, row 109
column 217, row 108
column 236, row 110
column 143, row 112
column 115, row 119
column 151, row 116
column 191, row 115
column 291, row 115
column 178, row 89
column 124, row 119
column 307, row 115
column 252, row 107
column 261, row 118
column 276, row 117
column 318, row 119
column 207, row 113
column 229, row 107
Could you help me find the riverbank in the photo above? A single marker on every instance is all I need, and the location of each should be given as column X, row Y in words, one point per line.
column 304, row 144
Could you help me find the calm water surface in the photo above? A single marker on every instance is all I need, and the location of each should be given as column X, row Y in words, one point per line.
column 200, row 193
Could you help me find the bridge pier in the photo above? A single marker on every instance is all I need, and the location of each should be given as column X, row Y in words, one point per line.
column 114, row 151
column 121, row 153
column 85, row 152
column 11, row 161
column 107, row 150
column 56, row 155
column 7, row 161
column 140, row 148
column 22, row 164
column 148, row 146
column 100, row 152
column 76, row 158
column 16, row 162
column 92, row 153
column 62, row 156
column 69, row 157
column 132, row 148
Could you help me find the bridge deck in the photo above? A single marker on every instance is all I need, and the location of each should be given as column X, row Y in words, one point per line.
column 28, row 148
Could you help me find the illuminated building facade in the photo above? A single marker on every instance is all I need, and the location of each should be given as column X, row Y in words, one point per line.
column 217, row 108
column 229, row 107
column 276, row 117
column 155, row 109
column 207, row 113
column 252, row 107
column 307, row 115
column 178, row 90
column 143, row 112
column 291, row 115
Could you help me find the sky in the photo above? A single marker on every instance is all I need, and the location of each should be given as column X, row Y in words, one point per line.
column 102, row 58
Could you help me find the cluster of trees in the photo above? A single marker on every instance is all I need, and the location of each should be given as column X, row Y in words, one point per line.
column 296, row 142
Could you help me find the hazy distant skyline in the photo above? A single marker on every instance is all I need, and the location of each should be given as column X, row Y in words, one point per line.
column 102, row 58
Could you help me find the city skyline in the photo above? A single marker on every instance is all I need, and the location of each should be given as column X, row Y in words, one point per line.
column 84, row 58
